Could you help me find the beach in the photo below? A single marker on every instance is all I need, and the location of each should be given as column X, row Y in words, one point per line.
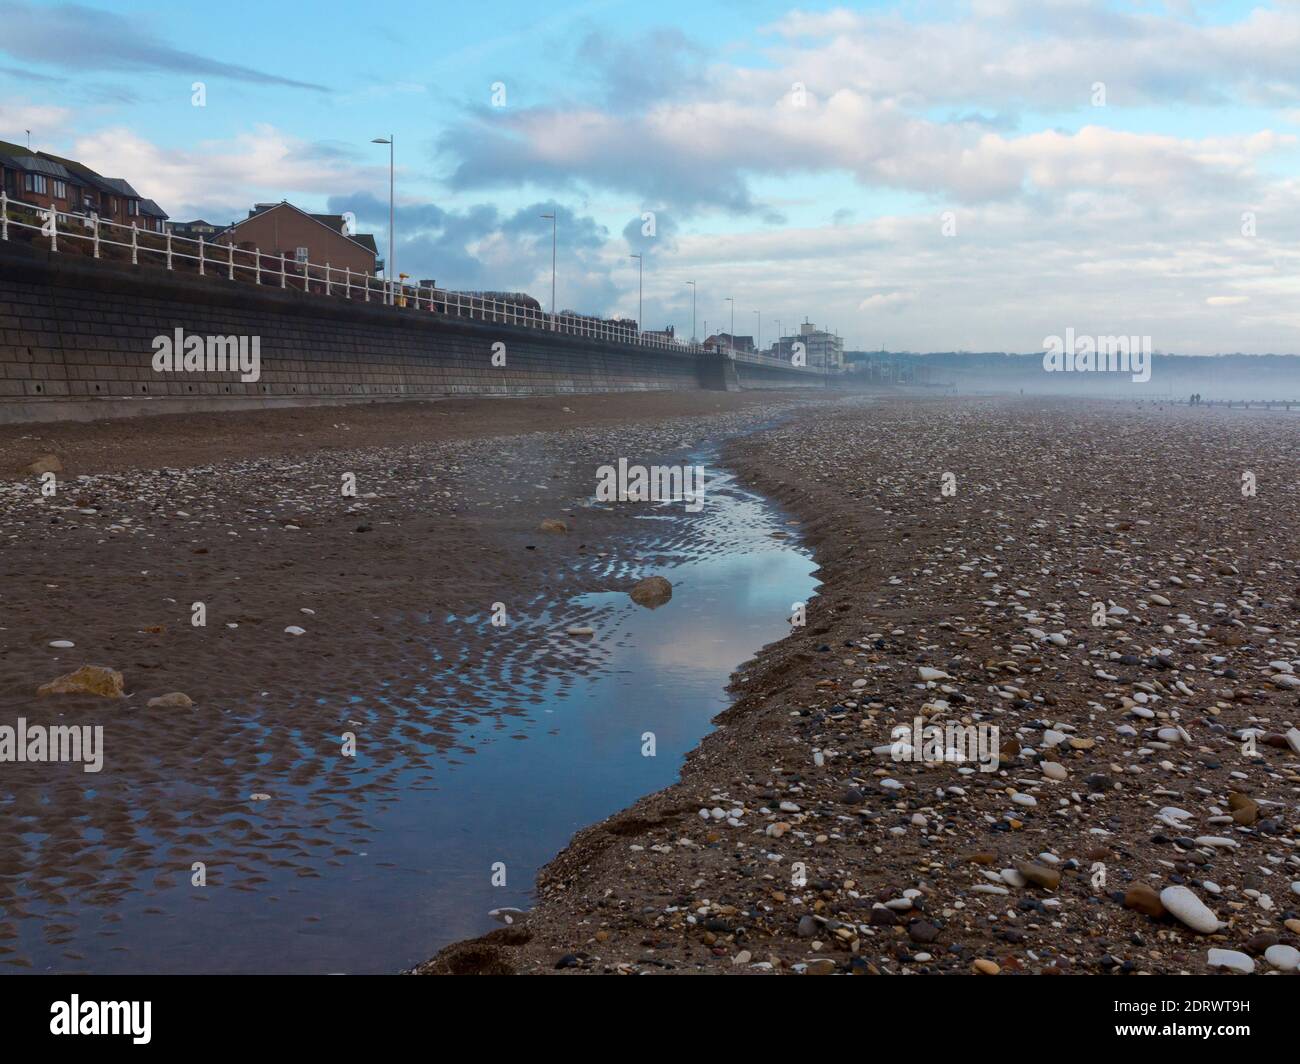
column 962, row 548
column 1144, row 760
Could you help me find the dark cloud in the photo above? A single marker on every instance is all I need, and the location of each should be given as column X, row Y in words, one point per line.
column 663, row 239
column 74, row 37
column 481, row 247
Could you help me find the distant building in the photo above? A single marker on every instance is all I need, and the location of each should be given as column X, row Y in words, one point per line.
column 822, row 350
column 321, row 239
column 50, row 181
column 195, row 229
column 726, row 342
column 667, row 336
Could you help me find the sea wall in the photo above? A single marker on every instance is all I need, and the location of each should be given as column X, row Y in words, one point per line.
column 77, row 340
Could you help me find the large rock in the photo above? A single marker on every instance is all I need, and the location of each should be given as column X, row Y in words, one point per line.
column 172, row 700
column 87, row 680
column 1039, row 874
column 46, row 463
column 553, row 525
column 1188, row 908
column 1144, row 899
column 652, row 592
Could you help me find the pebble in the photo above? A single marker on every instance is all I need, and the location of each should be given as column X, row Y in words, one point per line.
column 1188, row 908
column 1282, row 957
column 1231, row 959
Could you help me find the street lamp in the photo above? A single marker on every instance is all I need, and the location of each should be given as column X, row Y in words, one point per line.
column 758, row 336
column 388, row 266
column 640, row 265
column 778, row 337
column 551, row 216
column 731, row 337
column 693, row 337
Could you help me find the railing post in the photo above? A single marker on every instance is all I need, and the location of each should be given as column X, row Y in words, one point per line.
column 257, row 252
column 4, row 215
column 135, row 246
column 54, row 229
column 328, row 288
column 348, row 281
column 231, row 274
column 94, row 226
column 367, row 276
column 283, row 279
column 201, row 271
column 169, row 249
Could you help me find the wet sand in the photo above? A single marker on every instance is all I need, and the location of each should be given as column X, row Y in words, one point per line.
column 391, row 588
column 1143, row 757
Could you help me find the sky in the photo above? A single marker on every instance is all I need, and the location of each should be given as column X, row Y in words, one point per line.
column 915, row 176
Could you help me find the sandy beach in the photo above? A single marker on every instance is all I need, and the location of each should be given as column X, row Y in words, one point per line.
column 1144, row 761
column 1139, row 750
column 324, row 614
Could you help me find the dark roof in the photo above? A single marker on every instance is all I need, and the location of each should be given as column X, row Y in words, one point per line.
column 366, row 241
column 148, row 206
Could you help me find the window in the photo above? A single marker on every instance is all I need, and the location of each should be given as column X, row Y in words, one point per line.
column 60, row 190
column 132, row 207
column 35, row 183
column 299, row 254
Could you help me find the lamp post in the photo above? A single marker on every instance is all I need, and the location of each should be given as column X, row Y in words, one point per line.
column 640, row 265
column 389, row 265
column 551, row 216
column 731, row 337
column 758, row 336
column 693, row 337
column 778, row 337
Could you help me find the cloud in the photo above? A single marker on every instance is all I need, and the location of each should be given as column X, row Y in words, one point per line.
column 220, row 180
column 46, row 121
column 696, row 133
column 481, row 247
column 887, row 301
column 73, row 37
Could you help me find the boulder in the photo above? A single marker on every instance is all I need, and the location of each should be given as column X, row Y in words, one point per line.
column 172, row 700
column 652, row 592
column 46, row 463
column 87, row 680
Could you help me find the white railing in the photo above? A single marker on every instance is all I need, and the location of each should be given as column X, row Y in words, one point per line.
column 145, row 247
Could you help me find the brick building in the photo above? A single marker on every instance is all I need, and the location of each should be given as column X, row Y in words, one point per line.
column 321, row 239
column 44, row 180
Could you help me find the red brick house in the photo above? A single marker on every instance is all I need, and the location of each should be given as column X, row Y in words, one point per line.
column 321, row 239
column 44, row 180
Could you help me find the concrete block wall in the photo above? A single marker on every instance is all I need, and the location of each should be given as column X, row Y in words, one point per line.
column 80, row 333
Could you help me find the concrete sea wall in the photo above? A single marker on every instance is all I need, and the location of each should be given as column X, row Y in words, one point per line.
column 77, row 341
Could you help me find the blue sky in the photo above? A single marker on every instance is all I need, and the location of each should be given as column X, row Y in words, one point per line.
column 926, row 176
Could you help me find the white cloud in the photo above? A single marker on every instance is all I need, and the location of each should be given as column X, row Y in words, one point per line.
column 225, row 178
column 46, row 121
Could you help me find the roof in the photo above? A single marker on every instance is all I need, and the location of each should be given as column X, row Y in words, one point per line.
column 148, row 206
